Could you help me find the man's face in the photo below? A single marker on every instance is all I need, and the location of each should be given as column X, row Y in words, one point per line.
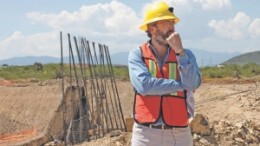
column 162, row 30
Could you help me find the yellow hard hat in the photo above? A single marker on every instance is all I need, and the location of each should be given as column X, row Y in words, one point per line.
column 158, row 11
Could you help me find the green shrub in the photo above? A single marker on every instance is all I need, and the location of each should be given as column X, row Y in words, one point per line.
column 231, row 70
column 53, row 71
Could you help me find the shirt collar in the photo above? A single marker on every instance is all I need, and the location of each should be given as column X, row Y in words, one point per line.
column 155, row 52
column 153, row 49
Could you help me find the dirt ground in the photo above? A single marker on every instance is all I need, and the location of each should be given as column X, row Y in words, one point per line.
column 26, row 108
column 29, row 106
column 227, row 101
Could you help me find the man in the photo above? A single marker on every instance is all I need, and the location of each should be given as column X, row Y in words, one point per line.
column 164, row 76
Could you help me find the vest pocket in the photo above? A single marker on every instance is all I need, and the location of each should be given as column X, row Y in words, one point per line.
column 147, row 109
column 175, row 112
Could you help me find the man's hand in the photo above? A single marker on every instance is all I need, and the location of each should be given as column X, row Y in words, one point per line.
column 174, row 41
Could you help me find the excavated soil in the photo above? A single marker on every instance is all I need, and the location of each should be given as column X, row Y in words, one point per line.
column 27, row 108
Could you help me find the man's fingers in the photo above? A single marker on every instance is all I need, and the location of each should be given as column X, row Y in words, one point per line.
column 173, row 37
column 174, row 41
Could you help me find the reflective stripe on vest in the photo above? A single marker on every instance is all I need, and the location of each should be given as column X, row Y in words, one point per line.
column 152, row 68
column 172, row 74
column 172, row 107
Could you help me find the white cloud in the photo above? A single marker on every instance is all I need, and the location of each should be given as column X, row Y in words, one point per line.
column 35, row 45
column 114, row 24
column 179, row 3
column 214, row 4
column 107, row 19
column 235, row 28
column 254, row 28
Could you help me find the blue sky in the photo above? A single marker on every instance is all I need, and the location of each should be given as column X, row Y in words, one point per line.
column 31, row 28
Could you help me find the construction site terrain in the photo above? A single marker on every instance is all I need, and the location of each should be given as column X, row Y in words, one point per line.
column 227, row 113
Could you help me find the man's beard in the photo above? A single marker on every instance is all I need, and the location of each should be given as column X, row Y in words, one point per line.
column 161, row 38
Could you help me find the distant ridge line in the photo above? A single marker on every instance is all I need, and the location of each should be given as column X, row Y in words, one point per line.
column 251, row 57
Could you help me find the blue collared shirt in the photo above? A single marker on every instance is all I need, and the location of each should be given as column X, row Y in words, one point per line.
column 146, row 84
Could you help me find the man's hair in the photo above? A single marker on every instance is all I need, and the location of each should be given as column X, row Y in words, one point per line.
column 148, row 34
column 147, row 31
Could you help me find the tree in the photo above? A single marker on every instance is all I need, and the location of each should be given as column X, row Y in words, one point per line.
column 5, row 65
column 38, row 66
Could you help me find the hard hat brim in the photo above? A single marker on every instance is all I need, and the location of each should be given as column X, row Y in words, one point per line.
column 144, row 25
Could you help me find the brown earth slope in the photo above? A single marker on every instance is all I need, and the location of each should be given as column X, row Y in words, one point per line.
column 28, row 108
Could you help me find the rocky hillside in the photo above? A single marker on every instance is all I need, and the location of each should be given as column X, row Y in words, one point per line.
column 252, row 57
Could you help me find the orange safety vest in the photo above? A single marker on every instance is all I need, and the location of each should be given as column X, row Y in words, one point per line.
column 171, row 107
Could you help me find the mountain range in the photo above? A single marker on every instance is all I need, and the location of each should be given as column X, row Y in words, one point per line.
column 204, row 58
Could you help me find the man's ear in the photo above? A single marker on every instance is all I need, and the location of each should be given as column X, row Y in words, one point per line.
column 151, row 29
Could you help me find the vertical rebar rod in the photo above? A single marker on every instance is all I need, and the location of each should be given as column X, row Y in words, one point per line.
column 105, row 108
column 62, row 89
column 71, row 129
column 102, row 64
column 113, row 88
column 102, row 93
column 102, row 70
column 82, row 122
column 87, row 107
column 76, row 76
column 94, row 88
column 114, row 83
column 99, row 100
